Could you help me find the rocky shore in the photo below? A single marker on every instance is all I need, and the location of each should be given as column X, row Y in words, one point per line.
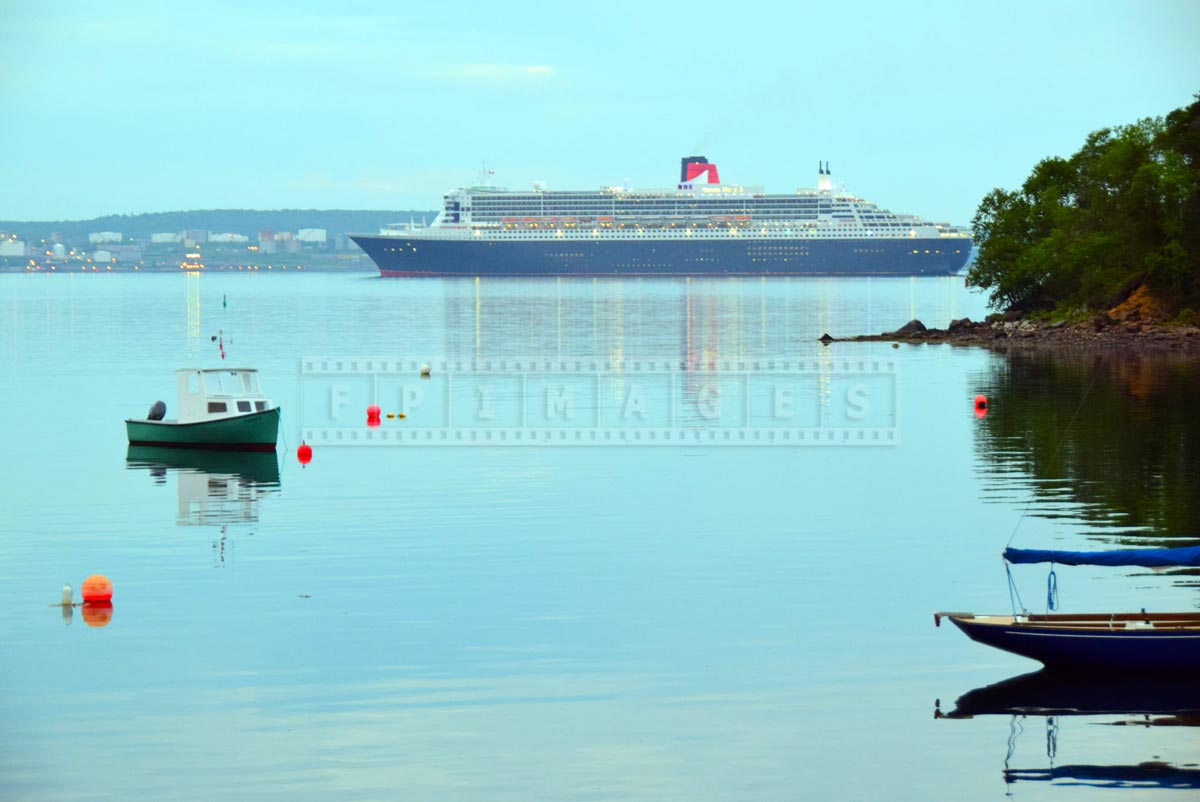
column 1011, row 332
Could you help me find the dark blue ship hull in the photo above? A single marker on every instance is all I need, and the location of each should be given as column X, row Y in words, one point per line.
column 418, row 256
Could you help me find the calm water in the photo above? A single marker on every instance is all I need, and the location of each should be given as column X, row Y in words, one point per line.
column 596, row 623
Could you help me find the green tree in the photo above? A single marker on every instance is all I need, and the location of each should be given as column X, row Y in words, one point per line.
column 1122, row 211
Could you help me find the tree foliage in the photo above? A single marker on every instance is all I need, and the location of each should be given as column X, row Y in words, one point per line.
column 1122, row 211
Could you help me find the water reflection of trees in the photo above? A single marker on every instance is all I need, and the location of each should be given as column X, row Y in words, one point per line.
column 1131, row 456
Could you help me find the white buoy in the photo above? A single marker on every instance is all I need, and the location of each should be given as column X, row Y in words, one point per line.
column 425, row 371
column 67, row 596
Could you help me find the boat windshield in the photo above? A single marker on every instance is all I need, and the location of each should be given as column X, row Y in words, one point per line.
column 233, row 382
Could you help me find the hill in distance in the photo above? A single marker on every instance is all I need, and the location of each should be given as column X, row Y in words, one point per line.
column 223, row 221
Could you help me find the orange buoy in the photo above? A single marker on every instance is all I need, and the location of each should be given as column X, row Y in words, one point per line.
column 97, row 588
column 304, row 453
column 98, row 613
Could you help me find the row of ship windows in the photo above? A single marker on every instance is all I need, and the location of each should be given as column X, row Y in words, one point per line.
column 762, row 221
column 756, row 254
column 503, row 236
column 665, row 209
column 567, row 255
column 537, row 200
column 646, row 195
column 497, row 214
column 760, row 253
column 608, row 211
column 706, row 208
column 660, row 234
column 806, row 220
column 759, row 250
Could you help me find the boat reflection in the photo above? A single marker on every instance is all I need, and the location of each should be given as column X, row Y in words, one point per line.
column 215, row 488
column 1150, row 774
column 1052, row 695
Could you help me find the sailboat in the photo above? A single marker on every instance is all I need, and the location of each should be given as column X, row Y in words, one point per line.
column 1141, row 641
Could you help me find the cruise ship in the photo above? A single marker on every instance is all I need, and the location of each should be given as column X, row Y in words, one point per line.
column 701, row 227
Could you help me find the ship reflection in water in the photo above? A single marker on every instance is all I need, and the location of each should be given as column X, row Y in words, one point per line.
column 215, row 488
column 1136, row 702
column 698, row 320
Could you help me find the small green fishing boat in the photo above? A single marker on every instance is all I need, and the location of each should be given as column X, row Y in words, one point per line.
column 220, row 409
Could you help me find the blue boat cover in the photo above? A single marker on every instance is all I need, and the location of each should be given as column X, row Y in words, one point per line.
column 1147, row 558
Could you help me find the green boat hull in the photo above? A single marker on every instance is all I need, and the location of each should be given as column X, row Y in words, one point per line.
column 256, row 431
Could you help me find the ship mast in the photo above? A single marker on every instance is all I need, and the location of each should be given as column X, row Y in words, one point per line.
column 485, row 175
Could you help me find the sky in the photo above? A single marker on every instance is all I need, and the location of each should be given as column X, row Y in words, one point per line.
column 129, row 107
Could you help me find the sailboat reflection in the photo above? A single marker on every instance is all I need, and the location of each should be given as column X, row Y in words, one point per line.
column 1151, row 774
column 1138, row 702
column 1051, row 693
column 215, row 488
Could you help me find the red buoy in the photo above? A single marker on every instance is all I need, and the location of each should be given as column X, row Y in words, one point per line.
column 304, row 453
column 97, row 588
column 373, row 413
column 981, row 406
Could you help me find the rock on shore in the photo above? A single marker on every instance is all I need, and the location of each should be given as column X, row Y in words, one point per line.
column 1005, row 332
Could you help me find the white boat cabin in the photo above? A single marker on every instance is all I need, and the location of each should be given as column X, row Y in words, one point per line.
column 206, row 395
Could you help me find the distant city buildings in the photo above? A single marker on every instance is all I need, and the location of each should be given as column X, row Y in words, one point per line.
column 190, row 249
column 11, row 246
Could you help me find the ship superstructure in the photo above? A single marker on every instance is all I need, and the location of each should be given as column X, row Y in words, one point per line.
column 700, row 227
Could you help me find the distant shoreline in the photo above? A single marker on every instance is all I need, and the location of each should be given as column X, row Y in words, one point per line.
column 70, row 270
